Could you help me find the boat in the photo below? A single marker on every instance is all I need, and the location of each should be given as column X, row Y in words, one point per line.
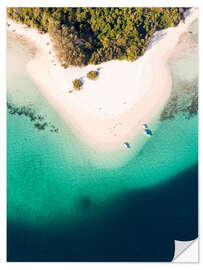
column 145, row 126
column 148, row 132
column 127, row 145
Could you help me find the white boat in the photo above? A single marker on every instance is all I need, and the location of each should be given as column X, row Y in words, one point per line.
column 126, row 144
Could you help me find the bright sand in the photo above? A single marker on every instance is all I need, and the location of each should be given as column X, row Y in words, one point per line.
column 111, row 109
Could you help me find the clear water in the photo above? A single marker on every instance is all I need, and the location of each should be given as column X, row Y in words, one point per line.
column 54, row 179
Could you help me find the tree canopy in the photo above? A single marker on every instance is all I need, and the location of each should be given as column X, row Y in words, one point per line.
column 77, row 84
column 95, row 35
column 92, row 75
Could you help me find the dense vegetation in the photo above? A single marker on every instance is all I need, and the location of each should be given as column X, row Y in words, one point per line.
column 94, row 35
column 92, row 75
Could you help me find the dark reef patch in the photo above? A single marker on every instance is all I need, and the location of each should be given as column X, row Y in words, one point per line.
column 38, row 120
column 183, row 99
column 85, row 203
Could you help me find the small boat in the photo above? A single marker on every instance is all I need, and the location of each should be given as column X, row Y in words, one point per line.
column 145, row 126
column 148, row 132
column 126, row 144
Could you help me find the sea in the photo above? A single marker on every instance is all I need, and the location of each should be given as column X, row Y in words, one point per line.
column 66, row 202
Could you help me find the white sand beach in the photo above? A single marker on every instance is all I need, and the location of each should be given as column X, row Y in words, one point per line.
column 112, row 109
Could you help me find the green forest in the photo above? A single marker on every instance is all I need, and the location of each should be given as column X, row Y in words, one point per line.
column 94, row 35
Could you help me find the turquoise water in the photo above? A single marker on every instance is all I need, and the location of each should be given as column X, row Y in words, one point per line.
column 53, row 177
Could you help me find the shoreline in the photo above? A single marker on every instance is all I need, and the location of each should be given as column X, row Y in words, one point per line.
column 138, row 89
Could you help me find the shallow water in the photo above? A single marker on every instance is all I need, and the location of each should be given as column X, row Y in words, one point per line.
column 65, row 204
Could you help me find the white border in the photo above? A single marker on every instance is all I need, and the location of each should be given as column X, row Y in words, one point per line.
column 102, row 3
column 75, row 3
column 2, row 136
